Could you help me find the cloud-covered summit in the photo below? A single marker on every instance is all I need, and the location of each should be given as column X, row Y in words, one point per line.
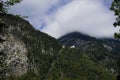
column 59, row 17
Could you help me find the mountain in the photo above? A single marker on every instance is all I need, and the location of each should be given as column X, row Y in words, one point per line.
column 102, row 51
column 28, row 54
column 27, row 50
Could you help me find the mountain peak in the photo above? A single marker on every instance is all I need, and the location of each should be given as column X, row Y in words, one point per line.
column 77, row 36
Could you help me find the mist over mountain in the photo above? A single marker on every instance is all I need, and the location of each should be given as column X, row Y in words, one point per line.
column 59, row 17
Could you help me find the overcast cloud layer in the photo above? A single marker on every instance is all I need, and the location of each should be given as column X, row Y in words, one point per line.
column 59, row 17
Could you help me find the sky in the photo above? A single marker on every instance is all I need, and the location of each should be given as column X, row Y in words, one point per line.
column 60, row 17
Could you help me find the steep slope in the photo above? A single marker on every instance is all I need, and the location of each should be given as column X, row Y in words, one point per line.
column 103, row 51
column 40, row 48
column 28, row 54
column 73, row 64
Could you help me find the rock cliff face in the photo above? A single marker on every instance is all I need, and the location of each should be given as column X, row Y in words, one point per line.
column 13, row 53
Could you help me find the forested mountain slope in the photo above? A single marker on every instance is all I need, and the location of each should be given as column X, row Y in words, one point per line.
column 103, row 51
column 28, row 54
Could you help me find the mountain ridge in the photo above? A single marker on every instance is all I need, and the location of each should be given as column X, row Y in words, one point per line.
column 33, row 55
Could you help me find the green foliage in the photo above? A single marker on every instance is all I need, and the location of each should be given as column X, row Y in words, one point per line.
column 4, row 5
column 117, row 35
column 73, row 64
column 115, row 6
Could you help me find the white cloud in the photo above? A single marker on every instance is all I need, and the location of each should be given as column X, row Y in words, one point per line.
column 86, row 16
column 34, row 9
